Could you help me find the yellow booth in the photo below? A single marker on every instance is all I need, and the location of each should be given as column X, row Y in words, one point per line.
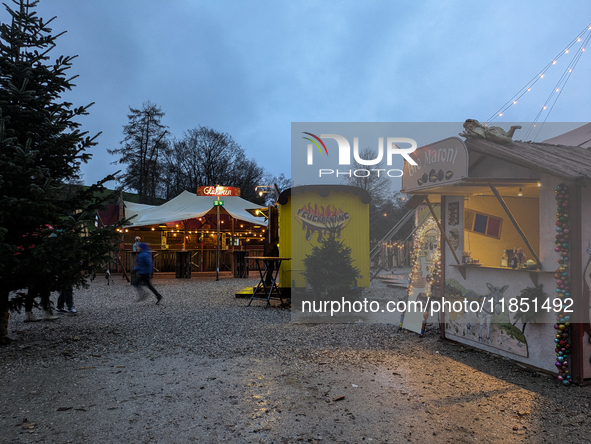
column 307, row 214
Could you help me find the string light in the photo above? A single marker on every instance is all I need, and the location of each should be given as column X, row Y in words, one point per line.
column 553, row 97
column 419, row 238
column 583, row 37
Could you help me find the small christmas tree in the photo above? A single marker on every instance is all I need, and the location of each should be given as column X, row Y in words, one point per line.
column 329, row 268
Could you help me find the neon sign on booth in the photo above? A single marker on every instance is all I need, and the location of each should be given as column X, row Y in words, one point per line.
column 218, row 191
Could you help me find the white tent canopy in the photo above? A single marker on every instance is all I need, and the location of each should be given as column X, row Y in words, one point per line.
column 136, row 209
column 580, row 136
column 188, row 206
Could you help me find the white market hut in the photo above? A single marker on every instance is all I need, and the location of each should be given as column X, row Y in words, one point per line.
column 496, row 198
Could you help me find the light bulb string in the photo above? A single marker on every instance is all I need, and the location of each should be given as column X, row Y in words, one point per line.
column 528, row 86
column 513, row 100
column 557, row 90
column 538, row 76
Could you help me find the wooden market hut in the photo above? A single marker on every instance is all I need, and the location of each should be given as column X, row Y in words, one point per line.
column 525, row 202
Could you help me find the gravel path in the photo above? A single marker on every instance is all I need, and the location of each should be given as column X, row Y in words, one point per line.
column 202, row 367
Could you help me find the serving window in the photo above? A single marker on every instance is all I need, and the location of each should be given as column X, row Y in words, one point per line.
column 490, row 237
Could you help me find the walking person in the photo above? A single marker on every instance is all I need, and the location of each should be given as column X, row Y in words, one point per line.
column 66, row 298
column 143, row 269
column 44, row 294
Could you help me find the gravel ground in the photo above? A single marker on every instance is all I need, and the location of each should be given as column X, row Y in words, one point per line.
column 202, row 367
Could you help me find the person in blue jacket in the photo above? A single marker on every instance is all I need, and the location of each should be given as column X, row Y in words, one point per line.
column 144, row 268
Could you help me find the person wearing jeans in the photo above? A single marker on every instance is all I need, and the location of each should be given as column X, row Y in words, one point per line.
column 66, row 297
column 143, row 268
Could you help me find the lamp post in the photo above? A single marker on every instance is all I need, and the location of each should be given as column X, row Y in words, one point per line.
column 217, row 258
column 218, row 203
column 267, row 189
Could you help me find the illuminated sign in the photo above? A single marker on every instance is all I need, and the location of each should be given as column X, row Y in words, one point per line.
column 218, row 191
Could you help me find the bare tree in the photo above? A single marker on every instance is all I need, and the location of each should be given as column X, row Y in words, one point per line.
column 246, row 174
column 377, row 186
column 175, row 170
column 205, row 156
column 386, row 206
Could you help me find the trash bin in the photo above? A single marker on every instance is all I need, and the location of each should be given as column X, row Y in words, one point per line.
column 240, row 264
column 183, row 265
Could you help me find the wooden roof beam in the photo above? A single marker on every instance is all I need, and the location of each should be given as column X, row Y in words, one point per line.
column 515, row 224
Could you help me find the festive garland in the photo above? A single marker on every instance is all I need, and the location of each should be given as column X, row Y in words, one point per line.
column 562, row 342
column 434, row 274
column 419, row 236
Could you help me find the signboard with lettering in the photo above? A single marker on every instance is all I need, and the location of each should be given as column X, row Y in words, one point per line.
column 218, row 191
column 439, row 164
column 322, row 220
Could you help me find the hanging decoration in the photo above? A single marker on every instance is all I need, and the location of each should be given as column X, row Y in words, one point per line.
column 562, row 326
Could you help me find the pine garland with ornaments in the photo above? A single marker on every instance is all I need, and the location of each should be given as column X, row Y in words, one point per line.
column 562, row 342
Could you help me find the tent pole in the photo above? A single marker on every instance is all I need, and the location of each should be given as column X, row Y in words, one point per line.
column 217, row 258
column 233, row 265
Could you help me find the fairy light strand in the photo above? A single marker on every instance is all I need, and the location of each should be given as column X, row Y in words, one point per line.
column 556, row 91
column 540, row 75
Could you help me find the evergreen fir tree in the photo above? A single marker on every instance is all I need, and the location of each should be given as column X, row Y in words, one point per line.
column 330, row 269
column 47, row 238
column 144, row 145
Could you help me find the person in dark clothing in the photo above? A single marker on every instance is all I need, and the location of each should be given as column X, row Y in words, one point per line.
column 66, row 297
column 143, row 269
column 43, row 294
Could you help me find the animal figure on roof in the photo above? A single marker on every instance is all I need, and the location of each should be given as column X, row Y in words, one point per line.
column 473, row 128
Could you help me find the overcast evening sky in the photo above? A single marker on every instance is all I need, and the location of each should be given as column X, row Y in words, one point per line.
column 250, row 68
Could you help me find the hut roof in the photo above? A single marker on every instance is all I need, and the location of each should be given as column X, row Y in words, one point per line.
column 324, row 191
column 566, row 162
